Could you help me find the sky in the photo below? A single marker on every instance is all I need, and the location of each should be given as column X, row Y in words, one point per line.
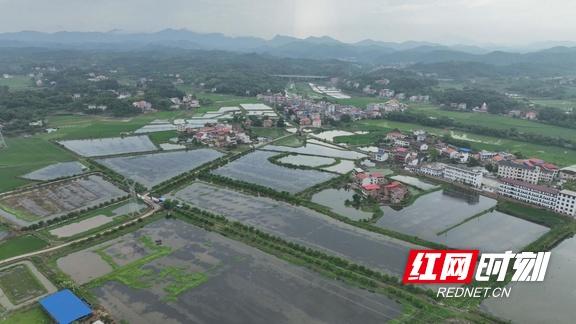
column 505, row 22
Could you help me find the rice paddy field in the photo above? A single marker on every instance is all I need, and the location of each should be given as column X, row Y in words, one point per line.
column 316, row 149
column 110, row 146
column 301, row 225
column 497, row 121
column 56, row 199
column 152, row 169
column 55, row 171
column 22, row 284
column 21, row 245
column 25, row 155
column 172, row 272
column 256, row 168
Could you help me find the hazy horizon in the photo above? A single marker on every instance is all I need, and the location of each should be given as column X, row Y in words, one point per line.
column 474, row 22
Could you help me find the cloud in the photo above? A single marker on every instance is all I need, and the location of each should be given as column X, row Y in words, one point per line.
column 495, row 21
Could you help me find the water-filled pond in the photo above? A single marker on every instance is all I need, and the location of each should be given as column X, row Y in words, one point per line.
column 335, row 199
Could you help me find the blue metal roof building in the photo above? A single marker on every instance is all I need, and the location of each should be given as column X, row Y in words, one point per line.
column 64, row 307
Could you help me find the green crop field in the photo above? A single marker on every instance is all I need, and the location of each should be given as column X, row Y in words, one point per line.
column 268, row 132
column 20, row 245
column 498, row 122
column 20, row 284
column 162, row 137
column 82, row 126
column 25, row 154
column 556, row 155
column 31, row 315
column 17, row 82
column 555, row 103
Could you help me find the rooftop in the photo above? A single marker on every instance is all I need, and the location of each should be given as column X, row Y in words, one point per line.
column 65, row 307
column 518, row 183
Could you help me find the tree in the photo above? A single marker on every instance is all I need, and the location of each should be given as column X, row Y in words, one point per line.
column 345, row 118
column 280, row 123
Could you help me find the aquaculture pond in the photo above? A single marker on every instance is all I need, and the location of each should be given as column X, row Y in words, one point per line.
column 448, row 216
column 256, row 168
column 335, row 199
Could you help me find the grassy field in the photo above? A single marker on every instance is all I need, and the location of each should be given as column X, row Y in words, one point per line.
column 19, row 284
column 292, row 141
column 17, row 82
column 498, row 122
column 24, row 155
column 268, row 132
column 555, row 103
column 32, row 315
column 162, row 137
column 20, row 245
column 89, row 126
column 552, row 154
column 221, row 100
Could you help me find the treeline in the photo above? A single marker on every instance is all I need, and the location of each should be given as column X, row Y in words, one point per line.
column 498, row 103
column 557, row 117
column 401, row 81
column 510, row 133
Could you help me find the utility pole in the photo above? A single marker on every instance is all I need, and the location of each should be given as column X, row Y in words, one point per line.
column 133, row 201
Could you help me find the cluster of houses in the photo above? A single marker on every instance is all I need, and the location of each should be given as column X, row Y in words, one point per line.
column 376, row 186
column 186, row 102
column 530, row 114
column 532, row 181
column 312, row 113
column 218, row 135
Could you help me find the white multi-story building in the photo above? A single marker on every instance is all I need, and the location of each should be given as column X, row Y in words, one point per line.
column 568, row 173
column 464, row 175
column 566, row 203
column 532, row 171
column 528, row 192
column 518, row 171
column 432, row 169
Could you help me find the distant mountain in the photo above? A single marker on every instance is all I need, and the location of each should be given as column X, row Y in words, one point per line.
column 366, row 51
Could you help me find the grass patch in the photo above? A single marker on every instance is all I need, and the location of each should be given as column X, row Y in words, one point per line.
column 24, row 155
column 269, row 132
column 496, row 121
column 162, row 137
column 181, row 281
column 539, row 216
column 32, row 315
column 291, row 141
column 17, row 82
column 21, row 245
column 133, row 274
column 20, row 284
